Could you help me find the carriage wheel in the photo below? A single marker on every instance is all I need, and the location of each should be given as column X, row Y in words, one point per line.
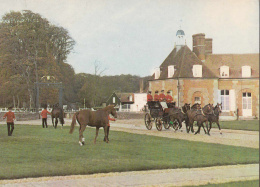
column 158, row 124
column 166, row 124
column 175, row 125
column 148, row 121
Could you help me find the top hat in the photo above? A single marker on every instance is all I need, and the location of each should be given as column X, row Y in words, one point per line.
column 168, row 91
column 149, row 92
column 162, row 91
column 10, row 108
column 156, row 91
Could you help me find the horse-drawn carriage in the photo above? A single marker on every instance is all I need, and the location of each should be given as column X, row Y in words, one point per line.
column 159, row 115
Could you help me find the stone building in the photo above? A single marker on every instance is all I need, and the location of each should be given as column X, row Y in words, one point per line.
column 199, row 76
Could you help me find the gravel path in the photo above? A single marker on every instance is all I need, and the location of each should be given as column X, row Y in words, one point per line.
column 171, row 177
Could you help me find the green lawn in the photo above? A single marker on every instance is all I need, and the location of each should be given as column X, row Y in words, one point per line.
column 251, row 125
column 33, row 152
column 251, row 183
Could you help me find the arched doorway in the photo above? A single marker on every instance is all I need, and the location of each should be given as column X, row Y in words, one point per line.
column 197, row 97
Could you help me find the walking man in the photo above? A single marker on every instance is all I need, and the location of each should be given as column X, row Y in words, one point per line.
column 10, row 121
column 44, row 114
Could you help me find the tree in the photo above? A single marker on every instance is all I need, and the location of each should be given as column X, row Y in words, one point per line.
column 29, row 44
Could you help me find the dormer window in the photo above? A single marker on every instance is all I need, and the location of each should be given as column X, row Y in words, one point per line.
column 224, row 71
column 157, row 73
column 197, row 70
column 170, row 71
column 130, row 98
column 246, row 71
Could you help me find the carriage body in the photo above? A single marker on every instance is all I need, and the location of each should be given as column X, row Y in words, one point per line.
column 158, row 113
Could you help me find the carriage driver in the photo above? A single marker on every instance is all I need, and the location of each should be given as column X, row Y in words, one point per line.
column 156, row 96
column 168, row 97
column 149, row 96
column 162, row 96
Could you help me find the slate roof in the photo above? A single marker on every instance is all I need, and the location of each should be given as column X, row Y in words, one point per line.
column 124, row 97
column 235, row 63
column 183, row 61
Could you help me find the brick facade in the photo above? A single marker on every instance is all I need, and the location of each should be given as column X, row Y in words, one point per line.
column 236, row 91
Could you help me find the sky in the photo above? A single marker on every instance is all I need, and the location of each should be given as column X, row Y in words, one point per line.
column 135, row 36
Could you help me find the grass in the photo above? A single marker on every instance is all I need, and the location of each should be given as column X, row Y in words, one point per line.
column 250, row 125
column 33, row 152
column 251, row 183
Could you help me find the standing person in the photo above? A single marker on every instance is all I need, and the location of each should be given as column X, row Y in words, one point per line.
column 44, row 114
column 149, row 96
column 156, row 96
column 168, row 97
column 162, row 96
column 10, row 121
column 108, row 126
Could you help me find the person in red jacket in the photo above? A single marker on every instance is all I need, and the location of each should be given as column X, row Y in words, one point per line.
column 156, row 96
column 10, row 121
column 149, row 96
column 162, row 96
column 108, row 126
column 44, row 114
column 168, row 97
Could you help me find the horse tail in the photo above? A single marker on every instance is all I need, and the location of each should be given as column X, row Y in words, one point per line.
column 74, row 118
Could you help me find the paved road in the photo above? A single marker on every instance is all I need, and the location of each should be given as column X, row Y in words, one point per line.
column 172, row 177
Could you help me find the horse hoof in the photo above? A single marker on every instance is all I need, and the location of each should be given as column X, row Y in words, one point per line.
column 83, row 143
column 80, row 144
column 221, row 133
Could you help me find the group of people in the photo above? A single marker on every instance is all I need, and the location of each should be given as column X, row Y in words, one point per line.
column 161, row 97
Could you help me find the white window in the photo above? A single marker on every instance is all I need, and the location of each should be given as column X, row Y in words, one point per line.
column 114, row 100
column 197, row 70
column 224, row 71
column 247, row 104
column 246, row 71
column 170, row 71
column 157, row 73
column 130, row 98
column 225, row 100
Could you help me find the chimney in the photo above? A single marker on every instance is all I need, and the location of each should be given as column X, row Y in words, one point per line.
column 199, row 45
column 208, row 46
column 141, row 83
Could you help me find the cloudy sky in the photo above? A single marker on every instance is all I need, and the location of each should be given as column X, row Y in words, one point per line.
column 135, row 36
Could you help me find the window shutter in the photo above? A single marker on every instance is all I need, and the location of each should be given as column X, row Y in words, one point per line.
column 232, row 99
column 219, row 96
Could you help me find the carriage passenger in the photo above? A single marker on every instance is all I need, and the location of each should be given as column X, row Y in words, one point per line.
column 168, row 97
column 156, row 96
column 149, row 96
column 10, row 121
column 162, row 96
column 44, row 114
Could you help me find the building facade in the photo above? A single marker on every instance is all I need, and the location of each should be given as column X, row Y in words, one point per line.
column 199, row 76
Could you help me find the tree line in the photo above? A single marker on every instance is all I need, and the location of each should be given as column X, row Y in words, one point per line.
column 31, row 48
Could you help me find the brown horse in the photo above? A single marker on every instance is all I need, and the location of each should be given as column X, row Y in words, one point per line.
column 214, row 118
column 96, row 119
column 180, row 114
column 201, row 116
column 57, row 113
